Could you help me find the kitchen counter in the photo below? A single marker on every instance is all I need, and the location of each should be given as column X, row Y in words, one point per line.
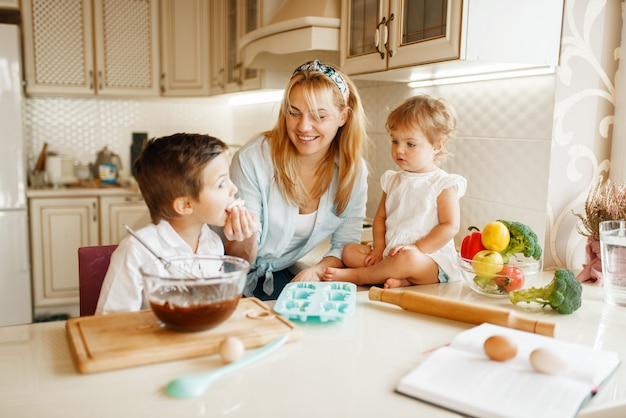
column 344, row 369
column 113, row 190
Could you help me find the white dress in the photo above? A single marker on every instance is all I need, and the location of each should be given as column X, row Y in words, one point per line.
column 411, row 207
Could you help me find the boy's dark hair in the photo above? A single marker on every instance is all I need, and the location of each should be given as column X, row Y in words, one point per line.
column 170, row 167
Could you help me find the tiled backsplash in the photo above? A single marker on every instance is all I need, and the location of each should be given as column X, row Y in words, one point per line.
column 82, row 126
column 502, row 145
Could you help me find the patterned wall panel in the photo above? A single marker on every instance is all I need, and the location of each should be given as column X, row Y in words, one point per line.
column 584, row 111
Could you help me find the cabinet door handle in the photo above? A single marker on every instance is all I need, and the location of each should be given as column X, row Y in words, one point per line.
column 162, row 82
column 220, row 82
column 240, row 70
column 133, row 199
column 99, row 79
column 90, row 79
column 389, row 50
column 377, row 37
column 95, row 212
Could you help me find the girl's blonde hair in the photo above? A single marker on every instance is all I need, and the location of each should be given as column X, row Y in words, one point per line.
column 347, row 148
column 436, row 118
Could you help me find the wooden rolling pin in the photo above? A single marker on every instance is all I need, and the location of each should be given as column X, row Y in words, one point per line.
column 460, row 311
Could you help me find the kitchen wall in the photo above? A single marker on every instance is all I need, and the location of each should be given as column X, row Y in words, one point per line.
column 529, row 147
column 82, row 126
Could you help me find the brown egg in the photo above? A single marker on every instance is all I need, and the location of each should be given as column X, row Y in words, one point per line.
column 499, row 348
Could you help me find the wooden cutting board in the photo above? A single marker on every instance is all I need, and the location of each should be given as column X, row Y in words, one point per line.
column 116, row 341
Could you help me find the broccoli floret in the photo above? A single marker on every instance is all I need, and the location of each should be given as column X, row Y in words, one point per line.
column 563, row 293
column 523, row 241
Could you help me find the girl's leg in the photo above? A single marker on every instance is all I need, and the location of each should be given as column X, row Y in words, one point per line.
column 410, row 264
column 353, row 255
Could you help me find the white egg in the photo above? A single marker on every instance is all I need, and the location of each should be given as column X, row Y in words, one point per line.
column 547, row 361
column 231, row 349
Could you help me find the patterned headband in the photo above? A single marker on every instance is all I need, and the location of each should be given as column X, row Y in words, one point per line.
column 328, row 71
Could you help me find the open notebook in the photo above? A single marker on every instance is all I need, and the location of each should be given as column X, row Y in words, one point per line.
column 460, row 377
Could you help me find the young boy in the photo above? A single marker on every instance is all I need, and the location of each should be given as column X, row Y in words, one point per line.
column 184, row 180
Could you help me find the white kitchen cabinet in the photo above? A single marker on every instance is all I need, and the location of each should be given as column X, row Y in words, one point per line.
column 382, row 35
column 231, row 19
column 117, row 211
column 185, row 48
column 9, row 4
column 63, row 221
column 87, row 47
column 59, row 226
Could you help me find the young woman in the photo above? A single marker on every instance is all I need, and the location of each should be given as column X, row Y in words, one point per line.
column 306, row 179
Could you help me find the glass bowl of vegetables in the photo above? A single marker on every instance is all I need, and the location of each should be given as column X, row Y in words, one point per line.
column 488, row 275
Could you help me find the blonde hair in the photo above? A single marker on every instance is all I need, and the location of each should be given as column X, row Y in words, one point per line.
column 348, row 146
column 436, row 118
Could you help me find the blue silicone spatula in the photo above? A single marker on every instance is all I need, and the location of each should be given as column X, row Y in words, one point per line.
column 195, row 385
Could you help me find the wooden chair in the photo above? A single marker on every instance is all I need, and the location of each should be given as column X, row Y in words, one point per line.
column 93, row 263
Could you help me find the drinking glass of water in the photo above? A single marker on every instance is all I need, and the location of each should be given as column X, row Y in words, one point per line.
column 613, row 254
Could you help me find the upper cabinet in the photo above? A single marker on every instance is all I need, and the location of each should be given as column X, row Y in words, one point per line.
column 87, row 47
column 405, row 35
column 185, row 47
column 230, row 20
column 9, row 4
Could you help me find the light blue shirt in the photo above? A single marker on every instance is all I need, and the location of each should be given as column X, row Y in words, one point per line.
column 252, row 170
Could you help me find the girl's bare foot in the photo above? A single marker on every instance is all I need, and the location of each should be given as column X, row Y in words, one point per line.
column 393, row 283
column 333, row 274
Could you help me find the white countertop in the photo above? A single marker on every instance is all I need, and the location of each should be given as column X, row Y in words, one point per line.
column 50, row 192
column 344, row 369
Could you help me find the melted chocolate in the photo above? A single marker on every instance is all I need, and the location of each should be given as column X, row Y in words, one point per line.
column 196, row 317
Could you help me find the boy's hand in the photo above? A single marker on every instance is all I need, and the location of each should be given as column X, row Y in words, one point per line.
column 241, row 224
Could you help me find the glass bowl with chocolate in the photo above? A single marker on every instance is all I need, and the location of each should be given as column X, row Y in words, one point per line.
column 194, row 293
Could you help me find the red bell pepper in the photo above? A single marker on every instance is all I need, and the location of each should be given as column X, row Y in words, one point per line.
column 471, row 243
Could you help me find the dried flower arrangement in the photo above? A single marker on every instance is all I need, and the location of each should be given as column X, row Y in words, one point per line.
column 606, row 201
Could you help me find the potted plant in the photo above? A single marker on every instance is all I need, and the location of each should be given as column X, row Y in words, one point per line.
column 606, row 201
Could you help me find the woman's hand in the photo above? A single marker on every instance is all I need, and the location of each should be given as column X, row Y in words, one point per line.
column 241, row 224
column 316, row 273
column 310, row 274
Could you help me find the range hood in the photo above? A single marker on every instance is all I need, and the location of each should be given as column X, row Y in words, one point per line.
column 299, row 31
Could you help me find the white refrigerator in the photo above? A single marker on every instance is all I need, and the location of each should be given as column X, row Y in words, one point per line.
column 15, row 278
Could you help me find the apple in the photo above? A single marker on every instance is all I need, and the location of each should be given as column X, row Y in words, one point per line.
column 487, row 263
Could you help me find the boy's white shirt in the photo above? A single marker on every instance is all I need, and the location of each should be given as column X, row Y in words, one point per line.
column 122, row 289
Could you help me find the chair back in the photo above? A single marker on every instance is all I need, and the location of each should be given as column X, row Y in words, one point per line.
column 93, row 263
